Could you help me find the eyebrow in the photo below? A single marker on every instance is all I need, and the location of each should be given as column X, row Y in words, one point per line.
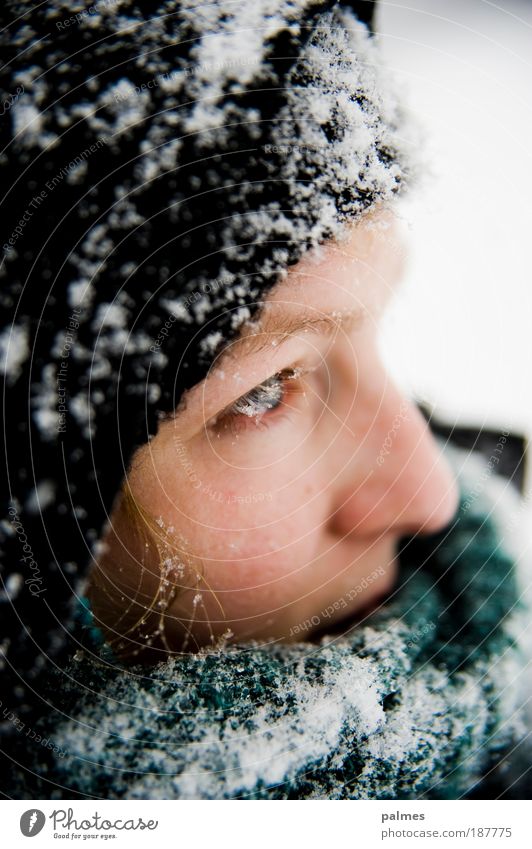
column 278, row 326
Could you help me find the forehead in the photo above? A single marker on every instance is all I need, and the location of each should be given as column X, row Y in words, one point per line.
column 340, row 283
column 360, row 272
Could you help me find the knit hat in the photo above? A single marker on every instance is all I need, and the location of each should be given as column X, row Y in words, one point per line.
column 162, row 166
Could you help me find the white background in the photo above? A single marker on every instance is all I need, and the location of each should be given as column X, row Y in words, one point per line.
column 460, row 333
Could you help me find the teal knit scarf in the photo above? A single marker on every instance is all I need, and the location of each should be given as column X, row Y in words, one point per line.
column 420, row 701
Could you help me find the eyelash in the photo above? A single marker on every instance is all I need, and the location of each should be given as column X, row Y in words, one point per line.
column 261, row 401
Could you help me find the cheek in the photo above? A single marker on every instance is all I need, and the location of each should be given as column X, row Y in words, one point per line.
column 255, row 547
column 217, row 505
column 251, row 534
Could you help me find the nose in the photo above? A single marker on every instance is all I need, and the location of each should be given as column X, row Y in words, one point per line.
column 397, row 479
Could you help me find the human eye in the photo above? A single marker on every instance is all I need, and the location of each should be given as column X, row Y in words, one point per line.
column 267, row 400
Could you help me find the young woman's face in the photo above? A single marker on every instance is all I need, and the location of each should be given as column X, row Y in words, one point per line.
column 282, row 486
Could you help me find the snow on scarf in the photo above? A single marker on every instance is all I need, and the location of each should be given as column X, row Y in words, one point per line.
column 421, row 700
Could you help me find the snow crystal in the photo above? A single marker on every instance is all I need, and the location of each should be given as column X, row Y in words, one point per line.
column 201, row 309
column 154, row 393
column 13, row 351
column 83, row 412
column 210, row 344
column 13, row 585
column 44, row 406
column 27, row 121
column 79, row 290
column 177, row 308
column 240, row 316
column 110, row 315
column 41, row 496
column 77, row 172
column 47, row 420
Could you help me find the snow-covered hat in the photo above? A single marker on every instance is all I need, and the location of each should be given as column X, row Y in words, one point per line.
column 162, row 165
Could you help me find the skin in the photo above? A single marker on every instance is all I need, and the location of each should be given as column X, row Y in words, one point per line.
column 280, row 525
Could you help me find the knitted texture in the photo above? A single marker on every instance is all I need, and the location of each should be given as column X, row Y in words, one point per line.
column 418, row 701
column 162, row 166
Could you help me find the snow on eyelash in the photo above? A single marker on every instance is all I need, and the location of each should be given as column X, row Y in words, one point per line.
column 264, row 397
column 267, row 395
